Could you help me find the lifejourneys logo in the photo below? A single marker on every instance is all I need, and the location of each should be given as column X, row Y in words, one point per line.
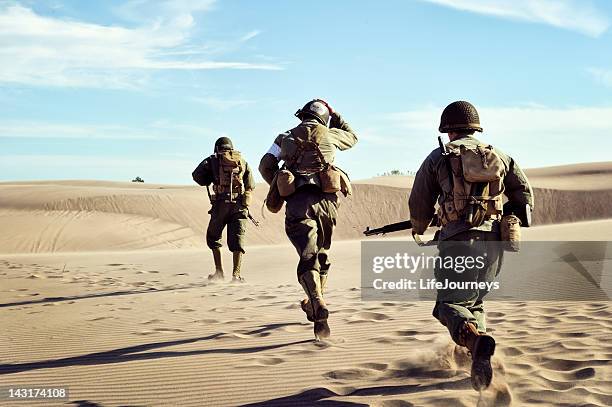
column 406, row 263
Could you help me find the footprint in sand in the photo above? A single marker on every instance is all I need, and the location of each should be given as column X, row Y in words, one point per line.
column 152, row 321
column 205, row 321
column 144, row 333
column 100, row 319
column 366, row 316
column 270, row 361
column 168, row 330
column 184, row 310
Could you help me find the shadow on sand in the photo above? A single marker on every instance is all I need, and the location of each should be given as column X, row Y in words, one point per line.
column 98, row 295
column 133, row 353
column 319, row 396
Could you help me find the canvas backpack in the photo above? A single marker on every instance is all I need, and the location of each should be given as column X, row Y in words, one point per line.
column 476, row 175
column 304, row 157
column 228, row 170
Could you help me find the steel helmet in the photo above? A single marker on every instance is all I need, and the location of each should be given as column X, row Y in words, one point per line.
column 223, row 143
column 460, row 115
column 315, row 108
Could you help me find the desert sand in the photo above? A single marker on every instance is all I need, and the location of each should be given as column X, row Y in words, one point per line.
column 104, row 290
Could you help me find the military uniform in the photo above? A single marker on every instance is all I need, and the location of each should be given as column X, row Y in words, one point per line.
column 310, row 214
column 462, row 311
column 229, row 208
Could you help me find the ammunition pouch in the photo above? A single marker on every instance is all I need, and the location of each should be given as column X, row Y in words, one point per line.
column 285, row 182
column 274, row 202
column 330, row 180
column 511, row 233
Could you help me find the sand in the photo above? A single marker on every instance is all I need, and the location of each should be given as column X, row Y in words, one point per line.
column 104, row 290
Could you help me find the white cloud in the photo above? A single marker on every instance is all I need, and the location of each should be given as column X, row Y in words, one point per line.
column 567, row 14
column 536, row 135
column 41, row 50
column 151, row 169
column 603, row 76
column 532, row 118
column 250, row 35
column 155, row 130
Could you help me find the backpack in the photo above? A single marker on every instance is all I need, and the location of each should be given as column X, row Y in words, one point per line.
column 305, row 158
column 228, row 170
column 476, row 194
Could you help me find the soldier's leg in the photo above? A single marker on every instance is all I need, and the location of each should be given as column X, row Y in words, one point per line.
column 479, row 314
column 462, row 311
column 213, row 239
column 326, row 214
column 487, row 274
column 236, row 230
column 453, row 307
column 302, row 231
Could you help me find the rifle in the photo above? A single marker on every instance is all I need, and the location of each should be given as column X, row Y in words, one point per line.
column 399, row 226
column 393, row 227
column 252, row 219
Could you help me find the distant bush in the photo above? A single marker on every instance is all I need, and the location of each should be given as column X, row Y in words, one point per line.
column 394, row 173
column 138, row 179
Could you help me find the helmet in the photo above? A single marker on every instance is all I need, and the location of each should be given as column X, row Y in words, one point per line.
column 223, row 143
column 459, row 115
column 316, row 109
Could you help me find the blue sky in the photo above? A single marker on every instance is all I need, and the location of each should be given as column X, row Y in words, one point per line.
column 118, row 89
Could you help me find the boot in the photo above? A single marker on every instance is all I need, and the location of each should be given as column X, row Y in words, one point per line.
column 323, row 282
column 236, row 277
column 482, row 347
column 314, row 306
column 218, row 274
column 305, row 303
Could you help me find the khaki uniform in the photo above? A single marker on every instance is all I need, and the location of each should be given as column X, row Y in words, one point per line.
column 234, row 215
column 458, row 238
column 310, row 214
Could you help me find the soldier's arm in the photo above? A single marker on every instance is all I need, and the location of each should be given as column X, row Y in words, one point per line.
column 423, row 197
column 268, row 165
column 342, row 135
column 203, row 175
column 247, row 178
column 517, row 186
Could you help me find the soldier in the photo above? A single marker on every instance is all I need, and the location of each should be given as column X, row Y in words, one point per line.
column 467, row 178
column 233, row 183
column 312, row 182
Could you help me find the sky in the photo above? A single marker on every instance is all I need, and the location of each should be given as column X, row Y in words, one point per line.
column 117, row 89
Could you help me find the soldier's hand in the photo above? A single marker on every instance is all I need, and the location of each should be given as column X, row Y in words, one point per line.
column 335, row 121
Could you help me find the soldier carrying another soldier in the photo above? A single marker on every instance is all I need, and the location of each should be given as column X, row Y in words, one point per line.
column 468, row 179
column 309, row 182
column 232, row 184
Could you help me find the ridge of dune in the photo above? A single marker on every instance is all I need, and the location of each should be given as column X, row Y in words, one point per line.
column 574, row 177
column 48, row 216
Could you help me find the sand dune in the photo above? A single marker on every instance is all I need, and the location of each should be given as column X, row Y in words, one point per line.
column 62, row 215
column 96, row 297
column 146, row 328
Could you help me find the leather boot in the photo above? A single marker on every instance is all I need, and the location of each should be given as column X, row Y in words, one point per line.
column 314, row 306
column 218, row 274
column 482, row 347
column 323, row 282
column 236, row 277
